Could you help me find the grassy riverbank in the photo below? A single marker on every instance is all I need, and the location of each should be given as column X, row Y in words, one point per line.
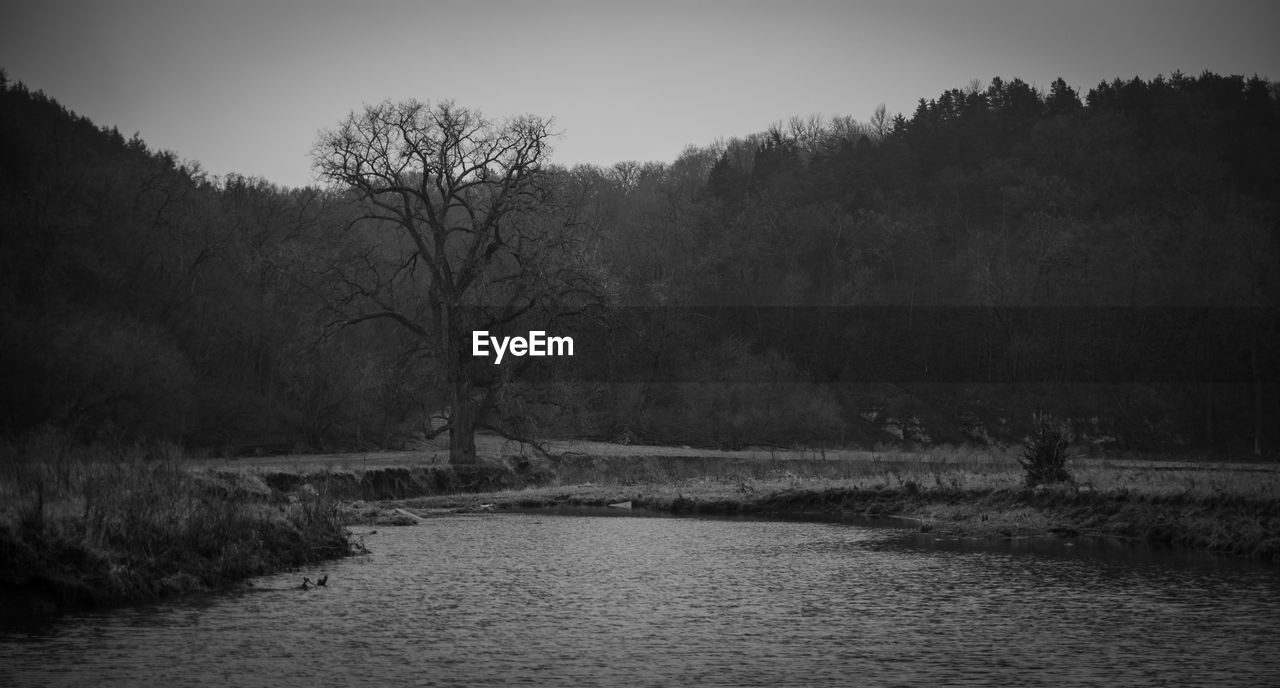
column 1227, row 508
column 1227, row 524
column 84, row 527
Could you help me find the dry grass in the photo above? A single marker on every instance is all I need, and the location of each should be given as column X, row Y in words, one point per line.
column 965, row 490
column 954, row 491
column 946, row 467
column 967, row 467
column 84, row 524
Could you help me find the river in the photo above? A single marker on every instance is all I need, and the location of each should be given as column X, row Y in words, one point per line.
column 555, row 600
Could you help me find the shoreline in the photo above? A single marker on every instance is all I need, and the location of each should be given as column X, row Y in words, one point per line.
column 110, row 534
column 1235, row 526
column 134, row 532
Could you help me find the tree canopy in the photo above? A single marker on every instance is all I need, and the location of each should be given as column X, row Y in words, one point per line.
column 142, row 299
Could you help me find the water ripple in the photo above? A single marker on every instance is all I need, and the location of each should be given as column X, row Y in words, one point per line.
column 547, row 600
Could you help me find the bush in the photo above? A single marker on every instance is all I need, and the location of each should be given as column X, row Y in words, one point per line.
column 1045, row 452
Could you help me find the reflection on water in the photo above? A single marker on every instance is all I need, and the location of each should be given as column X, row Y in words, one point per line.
column 572, row 600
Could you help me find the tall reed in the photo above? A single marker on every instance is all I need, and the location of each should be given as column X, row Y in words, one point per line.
column 111, row 524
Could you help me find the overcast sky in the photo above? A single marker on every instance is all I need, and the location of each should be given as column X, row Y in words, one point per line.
column 244, row 86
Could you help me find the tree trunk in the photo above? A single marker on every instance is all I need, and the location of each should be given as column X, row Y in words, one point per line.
column 462, row 436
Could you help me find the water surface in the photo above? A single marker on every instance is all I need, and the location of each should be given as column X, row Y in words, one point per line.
column 520, row 599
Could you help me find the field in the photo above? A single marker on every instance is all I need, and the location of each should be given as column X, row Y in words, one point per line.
column 967, row 467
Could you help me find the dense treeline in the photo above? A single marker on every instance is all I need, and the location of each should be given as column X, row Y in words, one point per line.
column 142, row 298
column 1143, row 195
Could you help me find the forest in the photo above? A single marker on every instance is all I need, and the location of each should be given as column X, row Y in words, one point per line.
column 939, row 277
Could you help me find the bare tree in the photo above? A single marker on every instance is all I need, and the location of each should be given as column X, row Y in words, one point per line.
column 880, row 123
column 468, row 200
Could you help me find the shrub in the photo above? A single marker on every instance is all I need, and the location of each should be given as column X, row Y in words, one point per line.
column 1045, row 452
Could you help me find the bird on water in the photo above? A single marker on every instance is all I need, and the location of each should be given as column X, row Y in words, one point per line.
column 306, row 583
column 322, row 581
